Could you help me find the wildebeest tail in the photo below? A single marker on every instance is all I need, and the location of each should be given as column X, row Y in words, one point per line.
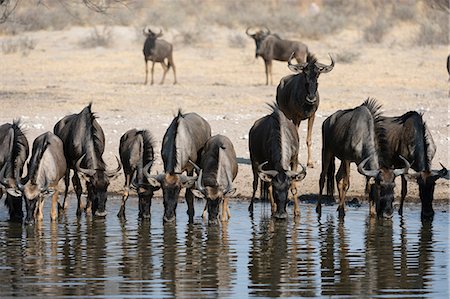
column 148, row 146
column 330, row 177
column 20, row 148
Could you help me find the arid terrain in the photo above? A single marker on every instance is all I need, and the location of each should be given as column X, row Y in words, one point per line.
column 223, row 84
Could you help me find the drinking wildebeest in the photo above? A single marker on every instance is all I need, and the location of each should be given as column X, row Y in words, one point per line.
column 272, row 47
column 218, row 169
column 46, row 168
column 84, row 144
column 355, row 135
column 158, row 50
column 13, row 154
column 136, row 152
column 408, row 135
column 273, row 143
column 297, row 94
column 182, row 142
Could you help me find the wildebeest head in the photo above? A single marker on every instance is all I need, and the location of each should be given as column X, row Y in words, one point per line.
column 382, row 189
column 171, row 184
column 427, row 181
column 97, row 182
column 152, row 36
column 258, row 36
column 145, row 193
column 214, row 195
column 311, row 70
column 280, row 183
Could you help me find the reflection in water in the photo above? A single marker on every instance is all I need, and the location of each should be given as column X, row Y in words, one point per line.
column 257, row 256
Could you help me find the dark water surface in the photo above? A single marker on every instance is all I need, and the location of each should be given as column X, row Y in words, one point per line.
column 247, row 257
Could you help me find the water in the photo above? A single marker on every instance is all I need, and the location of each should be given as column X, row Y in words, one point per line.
column 247, row 257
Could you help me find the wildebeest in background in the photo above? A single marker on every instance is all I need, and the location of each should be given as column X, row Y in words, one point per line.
column 355, row 135
column 219, row 168
column 46, row 168
column 158, row 50
column 273, row 144
column 272, row 47
column 13, row 154
column 136, row 152
column 182, row 142
column 297, row 94
column 84, row 144
column 408, row 135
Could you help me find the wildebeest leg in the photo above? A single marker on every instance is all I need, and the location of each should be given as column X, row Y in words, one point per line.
column 205, row 210
column 146, row 71
column 309, row 141
column 66, row 190
column 125, row 195
column 403, row 195
column 78, row 190
column 171, row 64
column 153, row 71
column 255, row 187
column 342, row 180
column 39, row 208
column 190, row 204
column 54, row 203
column 165, row 70
column 225, row 210
column 327, row 158
column 268, row 65
column 272, row 201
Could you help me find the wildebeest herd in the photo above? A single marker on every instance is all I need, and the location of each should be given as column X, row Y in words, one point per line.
column 206, row 166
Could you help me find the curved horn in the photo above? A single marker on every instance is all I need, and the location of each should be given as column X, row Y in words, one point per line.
column 367, row 173
column 296, row 67
column 445, row 173
column 200, row 186
column 325, row 68
column 3, row 180
column 267, row 30
column 146, row 169
column 270, row 173
column 404, row 170
column 114, row 172
column 89, row 172
column 300, row 174
column 197, row 168
column 248, row 32
column 19, row 184
column 160, row 33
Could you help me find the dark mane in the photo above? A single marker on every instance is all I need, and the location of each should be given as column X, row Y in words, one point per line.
column 275, row 139
column 213, row 158
column 311, row 58
column 403, row 118
column 20, row 148
column 149, row 145
column 170, row 143
column 94, row 134
column 36, row 158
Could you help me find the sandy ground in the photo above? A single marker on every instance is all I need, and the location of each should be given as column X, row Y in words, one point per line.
column 221, row 83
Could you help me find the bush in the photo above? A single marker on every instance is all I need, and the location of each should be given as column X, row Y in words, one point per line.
column 434, row 29
column 237, row 40
column 375, row 32
column 98, row 38
column 346, row 56
column 24, row 44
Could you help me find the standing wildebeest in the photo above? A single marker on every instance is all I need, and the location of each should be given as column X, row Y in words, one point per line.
column 407, row 135
column 273, row 142
column 84, row 144
column 158, row 50
column 355, row 135
column 13, row 154
column 182, row 142
column 272, row 47
column 297, row 94
column 46, row 167
column 136, row 152
column 219, row 168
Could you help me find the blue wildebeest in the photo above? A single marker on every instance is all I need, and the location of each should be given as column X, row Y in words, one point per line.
column 218, row 169
column 273, row 143
column 182, row 142
column 13, row 154
column 158, row 50
column 355, row 135
column 136, row 152
column 408, row 135
column 46, row 168
column 84, row 144
column 297, row 94
column 272, row 47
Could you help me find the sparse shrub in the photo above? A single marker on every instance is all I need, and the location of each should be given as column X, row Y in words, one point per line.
column 404, row 12
column 346, row 56
column 98, row 38
column 24, row 45
column 375, row 32
column 434, row 29
column 190, row 37
column 237, row 40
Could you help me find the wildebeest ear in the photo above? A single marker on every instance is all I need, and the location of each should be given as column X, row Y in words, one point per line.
column 154, row 182
column 230, row 192
column 198, row 193
column 188, row 181
column 265, row 177
column 297, row 68
column 14, row 192
column 411, row 177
